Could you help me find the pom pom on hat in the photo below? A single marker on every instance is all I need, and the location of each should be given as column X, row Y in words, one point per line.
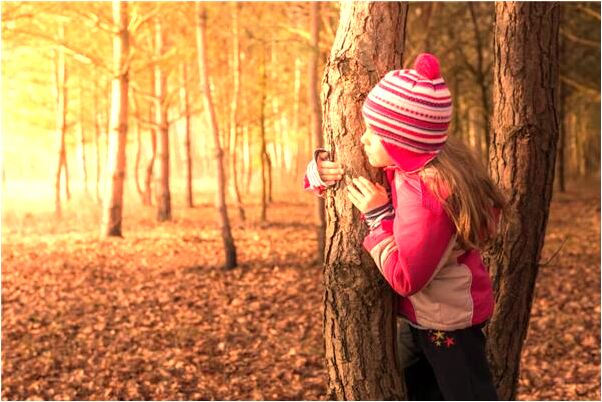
column 427, row 65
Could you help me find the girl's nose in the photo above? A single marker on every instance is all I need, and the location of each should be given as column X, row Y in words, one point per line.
column 363, row 138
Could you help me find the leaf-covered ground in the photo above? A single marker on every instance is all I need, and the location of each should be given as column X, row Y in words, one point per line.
column 152, row 315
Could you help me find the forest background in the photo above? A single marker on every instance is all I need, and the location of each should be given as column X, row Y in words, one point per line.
column 57, row 61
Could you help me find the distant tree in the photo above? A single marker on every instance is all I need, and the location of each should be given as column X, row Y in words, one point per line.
column 523, row 153
column 61, row 94
column 113, row 199
column 229, row 247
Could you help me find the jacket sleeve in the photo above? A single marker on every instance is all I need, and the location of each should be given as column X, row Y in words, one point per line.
column 311, row 180
column 410, row 249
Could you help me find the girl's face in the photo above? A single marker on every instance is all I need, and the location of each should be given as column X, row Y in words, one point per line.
column 376, row 153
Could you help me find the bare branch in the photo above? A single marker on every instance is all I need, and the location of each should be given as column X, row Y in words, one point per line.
column 589, row 11
column 594, row 93
column 581, row 41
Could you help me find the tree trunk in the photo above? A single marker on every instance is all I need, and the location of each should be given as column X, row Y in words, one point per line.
column 162, row 187
column 224, row 222
column 82, row 136
column 147, row 197
column 525, row 132
column 236, row 70
column 263, row 150
column 138, row 149
column 185, row 101
column 481, row 80
column 61, row 122
column 316, row 113
column 113, row 200
column 97, row 140
column 296, row 112
column 359, row 306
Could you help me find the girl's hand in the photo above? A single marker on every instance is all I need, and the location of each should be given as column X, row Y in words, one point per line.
column 366, row 195
column 328, row 171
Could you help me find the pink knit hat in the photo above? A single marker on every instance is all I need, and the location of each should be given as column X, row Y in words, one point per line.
column 410, row 110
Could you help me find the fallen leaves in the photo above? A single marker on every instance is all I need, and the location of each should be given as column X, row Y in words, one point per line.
column 153, row 316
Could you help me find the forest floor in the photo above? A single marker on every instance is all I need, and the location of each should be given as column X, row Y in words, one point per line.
column 152, row 315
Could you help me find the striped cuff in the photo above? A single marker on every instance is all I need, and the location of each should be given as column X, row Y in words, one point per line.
column 313, row 176
column 375, row 216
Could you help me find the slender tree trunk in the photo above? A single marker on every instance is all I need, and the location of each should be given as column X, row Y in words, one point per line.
column 481, row 80
column 147, row 196
column 236, row 70
column 162, row 188
column 359, row 306
column 185, row 101
column 138, row 149
column 229, row 246
column 248, row 159
column 113, row 201
column 296, row 112
column 316, row 113
column 263, row 150
column 525, row 132
column 82, row 136
column 97, row 140
column 61, row 122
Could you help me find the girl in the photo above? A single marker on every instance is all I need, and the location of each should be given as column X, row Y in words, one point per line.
column 426, row 234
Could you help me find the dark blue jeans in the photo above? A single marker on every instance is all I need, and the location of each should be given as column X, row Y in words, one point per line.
column 452, row 365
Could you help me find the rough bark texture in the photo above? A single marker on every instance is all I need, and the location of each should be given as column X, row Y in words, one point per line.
column 224, row 222
column 113, row 200
column 523, row 152
column 162, row 188
column 359, row 317
column 316, row 113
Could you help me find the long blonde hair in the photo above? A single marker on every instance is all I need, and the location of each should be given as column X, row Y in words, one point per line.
column 471, row 193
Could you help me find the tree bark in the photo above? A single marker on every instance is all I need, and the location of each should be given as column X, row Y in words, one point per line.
column 359, row 306
column 113, row 200
column 236, row 70
column 316, row 113
column 163, row 193
column 523, row 152
column 229, row 246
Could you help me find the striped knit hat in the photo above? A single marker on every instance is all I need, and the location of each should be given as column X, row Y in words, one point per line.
column 410, row 111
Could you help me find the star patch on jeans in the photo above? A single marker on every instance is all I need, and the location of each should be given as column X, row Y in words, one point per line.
column 441, row 339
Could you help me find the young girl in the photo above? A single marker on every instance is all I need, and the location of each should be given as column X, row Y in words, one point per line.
column 426, row 234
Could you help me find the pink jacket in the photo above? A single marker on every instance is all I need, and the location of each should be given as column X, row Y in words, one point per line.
column 443, row 286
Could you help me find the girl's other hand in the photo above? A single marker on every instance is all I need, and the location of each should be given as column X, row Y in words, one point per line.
column 366, row 195
column 328, row 171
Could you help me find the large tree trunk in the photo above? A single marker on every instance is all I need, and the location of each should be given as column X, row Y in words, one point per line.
column 113, row 200
column 236, row 71
column 162, row 188
column 61, row 123
column 229, row 246
column 359, row 306
column 523, row 152
column 316, row 113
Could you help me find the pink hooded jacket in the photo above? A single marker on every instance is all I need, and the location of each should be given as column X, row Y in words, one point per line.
column 442, row 286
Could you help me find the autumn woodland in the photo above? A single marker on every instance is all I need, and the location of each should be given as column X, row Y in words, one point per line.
column 157, row 241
